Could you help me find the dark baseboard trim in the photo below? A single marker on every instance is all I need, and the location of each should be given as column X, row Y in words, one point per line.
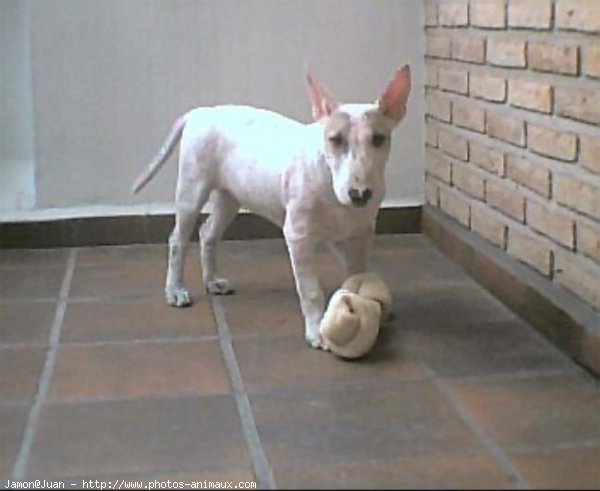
column 144, row 229
column 568, row 322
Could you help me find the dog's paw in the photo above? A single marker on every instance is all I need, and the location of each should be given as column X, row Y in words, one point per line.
column 219, row 286
column 178, row 297
column 316, row 341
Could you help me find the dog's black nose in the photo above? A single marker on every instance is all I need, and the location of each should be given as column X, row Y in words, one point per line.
column 360, row 198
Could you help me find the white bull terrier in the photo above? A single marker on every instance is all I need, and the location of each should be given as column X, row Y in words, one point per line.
column 321, row 182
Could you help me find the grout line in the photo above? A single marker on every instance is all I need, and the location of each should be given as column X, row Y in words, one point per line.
column 46, row 375
column 260, row 463
column 486, row 440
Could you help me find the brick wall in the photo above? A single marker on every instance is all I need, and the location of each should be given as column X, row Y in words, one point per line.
column 513, row 129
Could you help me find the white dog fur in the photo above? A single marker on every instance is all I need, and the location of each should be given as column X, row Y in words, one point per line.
column 321, row 182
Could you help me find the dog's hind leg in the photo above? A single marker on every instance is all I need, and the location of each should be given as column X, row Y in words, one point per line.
column 225, row 207
column 189, row 202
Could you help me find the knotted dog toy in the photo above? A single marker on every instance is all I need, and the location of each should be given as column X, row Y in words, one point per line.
column 351, row 322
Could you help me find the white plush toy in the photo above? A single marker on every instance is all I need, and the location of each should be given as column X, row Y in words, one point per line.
column 355, row 312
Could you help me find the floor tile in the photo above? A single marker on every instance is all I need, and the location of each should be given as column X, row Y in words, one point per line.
column 400, row 242
column 276, row 313
column 32, row 258
column 20, row 369
column 136, row 318
column 129, row 370
column 289, row 362
column 436, row 305
column 569, row 468
column 139, row 389
column 330, row 426
column 422, row 264
column 121, row 255
column 116, row 281
column 457, row 348
column 119, row 437
column 545, row 410
column 13, row 420
column 266, row 266
column 31, row 283
column 129, row 271
column 26, row 322
column 256, row 274
column 476, row 472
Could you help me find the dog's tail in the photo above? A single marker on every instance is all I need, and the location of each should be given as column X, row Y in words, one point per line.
column 161, row 157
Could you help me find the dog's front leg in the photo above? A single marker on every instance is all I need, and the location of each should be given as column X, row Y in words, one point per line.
column 308, row 286
column 356, row 251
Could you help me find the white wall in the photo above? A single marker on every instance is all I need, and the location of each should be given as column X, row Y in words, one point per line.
column 16, row 118
column 110, row 77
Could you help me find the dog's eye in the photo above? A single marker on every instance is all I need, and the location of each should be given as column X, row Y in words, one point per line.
column 337, row 140
column 378, row 139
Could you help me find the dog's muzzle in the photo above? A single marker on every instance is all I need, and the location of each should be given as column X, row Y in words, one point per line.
column 360, row 198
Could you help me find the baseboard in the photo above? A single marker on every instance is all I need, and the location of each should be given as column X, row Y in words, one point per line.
column 568, row 322
column 155, row 228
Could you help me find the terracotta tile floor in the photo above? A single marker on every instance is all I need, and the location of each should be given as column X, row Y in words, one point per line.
column 99, row 379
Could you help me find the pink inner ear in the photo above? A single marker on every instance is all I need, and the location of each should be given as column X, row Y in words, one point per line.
column 322, row 103
column 393, row 100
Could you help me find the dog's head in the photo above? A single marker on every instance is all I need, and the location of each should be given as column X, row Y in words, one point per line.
column 357, row 137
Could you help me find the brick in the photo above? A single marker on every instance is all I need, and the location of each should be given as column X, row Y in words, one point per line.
column 468, row 181
column 529, row 249
column 506, row 52
column 589, row 153
column 551, row 222
column 453, row 144
column 530, row 95
column 431, row 134
column 529, row 174
column 487, row 87
column 579, row 276
column 531, row 14
column 506, row 128
column 431, row 13
column 438, row 105
column 431, row 193
column 486, row 158
column 437, row 166
column 578, row 15
column 469, row 116
column 578, row 103
column 577, row 195
column 591, row 61
column 455, row 206
column 553, row 57
column 431, row 75
column 552, row 143
column 453, row 79
column 468, row 48
column 488, row 14
column 453, row 13
column 488, row 226
column 588, row 240
column 506, row 199
column 438, row 46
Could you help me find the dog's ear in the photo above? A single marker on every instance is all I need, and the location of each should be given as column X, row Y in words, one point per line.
column 392, row 102
column 323, row 104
